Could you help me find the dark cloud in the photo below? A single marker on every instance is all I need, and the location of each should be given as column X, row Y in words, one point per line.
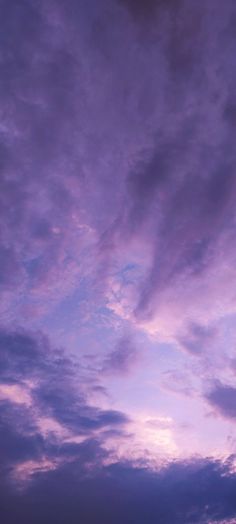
column 230, row 112
column 19, row 439
column 193, row 492
column 21, row 442
column 55, row 392
column 197, row 212
column 180, row 188
column 185, row 44
column 24, row 356
column 223, row 398
column 73, row 412
column 149, row 176
column 142, row 9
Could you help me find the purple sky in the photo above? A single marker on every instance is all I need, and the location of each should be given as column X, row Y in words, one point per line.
column 118, row 261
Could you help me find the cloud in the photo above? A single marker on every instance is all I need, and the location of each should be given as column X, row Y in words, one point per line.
column 38, row 199
column 198, row 338
column 177, row 382
column 222, row 398
column 150, row 173
column 185, row 244
column 122, row 358
column 147, row 10
column 19, row 439
column 198, row 491
column 177, row 195
column 43, row 403
column 117, row 191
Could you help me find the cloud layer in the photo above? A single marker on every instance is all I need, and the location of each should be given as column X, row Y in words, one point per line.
column 117, row 261
column 200, row 491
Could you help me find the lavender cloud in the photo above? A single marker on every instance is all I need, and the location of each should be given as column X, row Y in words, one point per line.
column 222, row 398
column 122, row 358
column 198, row 338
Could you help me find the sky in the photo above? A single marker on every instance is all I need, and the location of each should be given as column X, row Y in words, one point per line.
column 118, row 261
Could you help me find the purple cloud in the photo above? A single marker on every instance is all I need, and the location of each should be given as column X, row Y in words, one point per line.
column 122, row 358
column 168, row 190
column 223, row 398
column 199, row 491
column 117, row 215
column 50, row 380
column 198, row 338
